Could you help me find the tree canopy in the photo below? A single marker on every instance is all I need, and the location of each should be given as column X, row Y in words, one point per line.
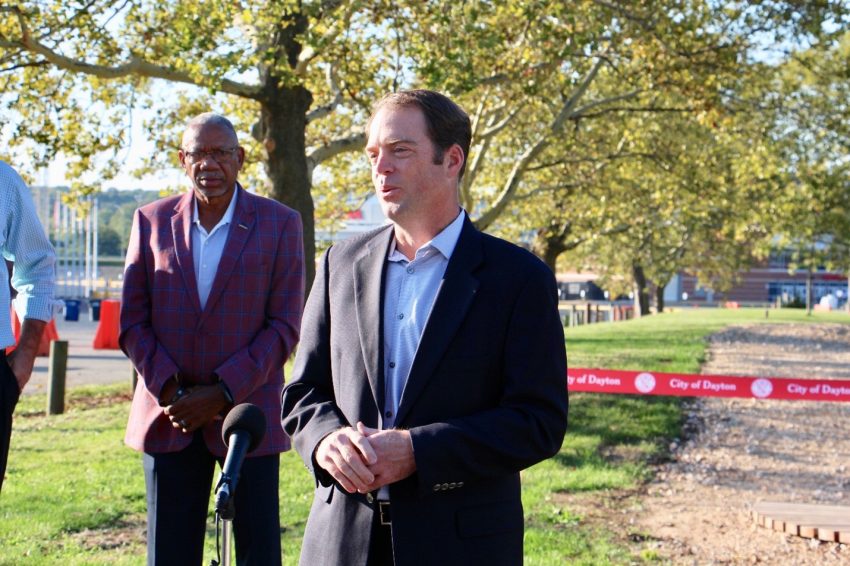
column 564, row 97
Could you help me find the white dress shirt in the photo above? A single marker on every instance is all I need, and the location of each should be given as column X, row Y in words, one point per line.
column 207, row 248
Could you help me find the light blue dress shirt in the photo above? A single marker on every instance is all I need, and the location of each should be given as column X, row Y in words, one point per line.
column 207, row 248
column 23, row 241
column 409, row 293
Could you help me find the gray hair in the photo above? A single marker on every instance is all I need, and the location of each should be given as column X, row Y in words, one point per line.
column 212, row 119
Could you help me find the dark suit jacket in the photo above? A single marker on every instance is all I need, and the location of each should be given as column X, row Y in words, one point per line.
column 486, row 398
column 244, row 334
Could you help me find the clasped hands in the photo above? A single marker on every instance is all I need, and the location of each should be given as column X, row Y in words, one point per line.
column 363, row 459
column 200, row 405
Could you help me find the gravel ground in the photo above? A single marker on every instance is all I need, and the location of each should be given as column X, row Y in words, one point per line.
column 737, row 452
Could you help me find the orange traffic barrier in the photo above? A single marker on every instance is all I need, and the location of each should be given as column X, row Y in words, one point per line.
column 47, row 336
column 106, row 337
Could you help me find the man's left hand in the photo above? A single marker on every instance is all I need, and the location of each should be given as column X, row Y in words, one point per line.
column 196, row 408
column 21, row 363
column 22, row 360
column 394, row 450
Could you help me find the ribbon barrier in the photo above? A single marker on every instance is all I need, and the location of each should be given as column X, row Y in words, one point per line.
column 697, row 385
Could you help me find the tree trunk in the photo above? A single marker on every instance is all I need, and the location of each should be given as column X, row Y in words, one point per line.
column 641, row 290
column 282, row 127
column 549, row 249
column 809, row 293
column 659, row 298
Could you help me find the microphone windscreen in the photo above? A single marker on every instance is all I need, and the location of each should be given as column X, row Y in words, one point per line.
column 247, row 418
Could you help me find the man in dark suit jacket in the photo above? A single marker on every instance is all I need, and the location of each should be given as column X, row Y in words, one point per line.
column 211, row 306
column 432, row 366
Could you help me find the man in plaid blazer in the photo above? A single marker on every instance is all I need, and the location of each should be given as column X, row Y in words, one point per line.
column 211, row 307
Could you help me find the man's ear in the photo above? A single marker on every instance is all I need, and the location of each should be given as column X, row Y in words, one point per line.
column 454, row 159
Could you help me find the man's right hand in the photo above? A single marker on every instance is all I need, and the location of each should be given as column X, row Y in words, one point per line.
column 346, row 455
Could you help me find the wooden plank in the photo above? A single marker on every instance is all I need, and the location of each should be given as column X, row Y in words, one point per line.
column 829, row 523
column 808, row 532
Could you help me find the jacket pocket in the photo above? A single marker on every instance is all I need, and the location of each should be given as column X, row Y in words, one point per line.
column 489, row 519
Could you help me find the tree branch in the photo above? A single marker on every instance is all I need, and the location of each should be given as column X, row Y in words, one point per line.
column 657, row 109
column 609, row 232
column 547, row 189
column 580, row 111
column 24, row 65
column 341, row 145
column 309, row 53
column 325, row 109
column 133, row 67
column 522, row 164
column 496, row 128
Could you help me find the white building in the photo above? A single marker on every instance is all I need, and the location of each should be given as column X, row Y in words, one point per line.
column 368, row 217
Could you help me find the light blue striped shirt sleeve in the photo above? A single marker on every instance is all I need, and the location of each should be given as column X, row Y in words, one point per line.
column 23, row 241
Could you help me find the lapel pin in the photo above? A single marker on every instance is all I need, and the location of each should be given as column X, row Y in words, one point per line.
column 243, row 226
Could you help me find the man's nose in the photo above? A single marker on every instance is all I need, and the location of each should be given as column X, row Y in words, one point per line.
column 383, row 163
column 207, row 161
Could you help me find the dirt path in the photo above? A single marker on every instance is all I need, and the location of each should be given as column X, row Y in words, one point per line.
column 739, row 451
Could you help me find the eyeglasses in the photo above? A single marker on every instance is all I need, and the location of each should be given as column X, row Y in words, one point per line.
column 219, row 155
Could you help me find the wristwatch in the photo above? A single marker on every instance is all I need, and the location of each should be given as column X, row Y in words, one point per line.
column 226, row 390
column 179, row 394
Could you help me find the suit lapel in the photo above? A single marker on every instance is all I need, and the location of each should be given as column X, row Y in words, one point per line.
column 241, row 227
column 457, row 290
column 181, row 233
column 368, row 284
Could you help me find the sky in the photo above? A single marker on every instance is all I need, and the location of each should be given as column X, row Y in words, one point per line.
column 141, row 146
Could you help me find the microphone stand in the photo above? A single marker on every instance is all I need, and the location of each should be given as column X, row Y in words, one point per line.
column 242, row 431
column 225, row 511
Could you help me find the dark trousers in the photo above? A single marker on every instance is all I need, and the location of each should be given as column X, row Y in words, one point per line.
column 9, row 394
column 381, row 544
column 178, row 488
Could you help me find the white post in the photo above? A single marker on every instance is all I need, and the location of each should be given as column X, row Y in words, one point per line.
column 87, row 251
column 66, row 249
column 94, row 244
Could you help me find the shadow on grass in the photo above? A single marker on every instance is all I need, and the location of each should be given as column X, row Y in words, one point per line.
column 607, row 431
column 623, row 419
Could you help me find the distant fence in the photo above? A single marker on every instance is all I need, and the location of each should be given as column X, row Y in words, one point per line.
column 577, row 313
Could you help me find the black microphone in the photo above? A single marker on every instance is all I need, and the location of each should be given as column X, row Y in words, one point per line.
column 242, row 431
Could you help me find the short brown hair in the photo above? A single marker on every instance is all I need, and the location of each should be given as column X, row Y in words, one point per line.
column 447, row 123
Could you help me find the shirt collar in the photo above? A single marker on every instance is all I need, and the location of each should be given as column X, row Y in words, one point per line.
column 444, row 242
column 228, row 214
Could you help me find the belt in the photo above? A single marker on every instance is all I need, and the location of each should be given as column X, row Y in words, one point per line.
column 384, row 513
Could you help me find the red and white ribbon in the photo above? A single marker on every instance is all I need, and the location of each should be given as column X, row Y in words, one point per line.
column 694, row 385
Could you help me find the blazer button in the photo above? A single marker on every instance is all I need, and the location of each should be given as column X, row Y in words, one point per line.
column 369, row 498
column 445, row 486
column 436, row 487
column 452, row 485
column 460, row 484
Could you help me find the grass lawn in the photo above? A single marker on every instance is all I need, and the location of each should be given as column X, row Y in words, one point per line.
column 74, row 494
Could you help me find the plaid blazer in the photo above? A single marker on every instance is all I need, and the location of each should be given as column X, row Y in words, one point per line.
column 244, row 334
